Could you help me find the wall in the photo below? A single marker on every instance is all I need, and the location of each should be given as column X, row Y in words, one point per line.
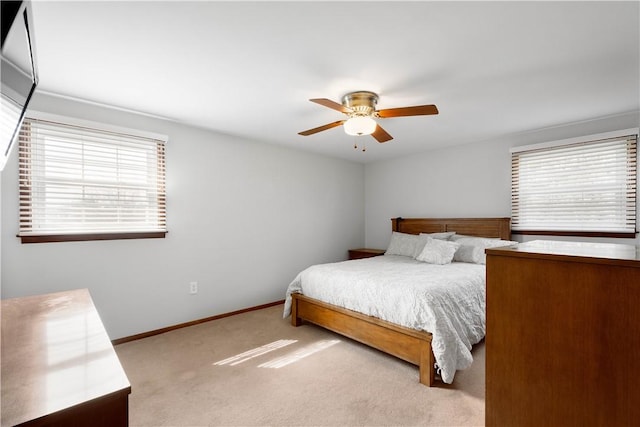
column 472, row 180
column 243, row 218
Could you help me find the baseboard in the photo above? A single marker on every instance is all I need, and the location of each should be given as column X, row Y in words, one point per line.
column 191, row 323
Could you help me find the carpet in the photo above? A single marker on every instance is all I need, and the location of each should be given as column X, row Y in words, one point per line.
column 255, row 369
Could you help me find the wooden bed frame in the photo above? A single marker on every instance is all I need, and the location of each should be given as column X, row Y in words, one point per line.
column 408, row 344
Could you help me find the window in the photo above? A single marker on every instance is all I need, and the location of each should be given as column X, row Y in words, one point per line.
column 88, row 182
column 583, row 186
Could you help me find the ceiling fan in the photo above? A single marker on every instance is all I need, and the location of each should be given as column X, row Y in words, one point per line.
column 361, row 108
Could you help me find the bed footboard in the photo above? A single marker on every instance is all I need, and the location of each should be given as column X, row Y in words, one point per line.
column 405, row 343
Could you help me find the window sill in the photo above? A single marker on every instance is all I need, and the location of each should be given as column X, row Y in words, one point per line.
column 615, row 235
column 51, row 238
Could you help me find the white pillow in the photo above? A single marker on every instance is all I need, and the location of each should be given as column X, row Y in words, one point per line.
column 497, row 243
column 423, row 237
column 438, row 251
column 472, row 248
column 469, row 238
column 403, row 244
column 470, row 253
column 445, row 235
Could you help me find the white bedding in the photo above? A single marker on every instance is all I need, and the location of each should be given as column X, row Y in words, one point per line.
column 446, row 300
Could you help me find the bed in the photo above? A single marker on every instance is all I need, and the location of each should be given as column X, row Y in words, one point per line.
column 407, row 343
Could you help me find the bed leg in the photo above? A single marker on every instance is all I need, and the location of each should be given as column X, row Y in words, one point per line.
column 427, row 362
column 295, row 320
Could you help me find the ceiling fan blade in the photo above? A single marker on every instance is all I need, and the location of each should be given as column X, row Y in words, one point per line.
column 321, row 128
column 381, row 135
column 331, row 104
column 419, row 110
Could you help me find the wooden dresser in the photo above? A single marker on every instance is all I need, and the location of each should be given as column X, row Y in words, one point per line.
column 58, row 365
column 563, row 335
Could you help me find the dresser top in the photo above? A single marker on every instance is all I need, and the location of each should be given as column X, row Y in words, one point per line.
column 577, row 251
column 55, row 355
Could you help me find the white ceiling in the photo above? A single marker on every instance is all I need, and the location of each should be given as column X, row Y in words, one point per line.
column 249, row 68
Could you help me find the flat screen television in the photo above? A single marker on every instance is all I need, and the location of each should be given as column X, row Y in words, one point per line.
column 18, row 74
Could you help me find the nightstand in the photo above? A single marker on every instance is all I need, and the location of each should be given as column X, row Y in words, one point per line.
column 365, row 253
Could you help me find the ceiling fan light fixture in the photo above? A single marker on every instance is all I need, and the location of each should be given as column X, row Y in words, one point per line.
column 360, row 125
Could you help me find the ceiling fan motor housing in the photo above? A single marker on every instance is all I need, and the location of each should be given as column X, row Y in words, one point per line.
column 362, row 103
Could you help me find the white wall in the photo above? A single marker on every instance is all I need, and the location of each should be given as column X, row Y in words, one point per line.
column 472, row 180
column 243, row 217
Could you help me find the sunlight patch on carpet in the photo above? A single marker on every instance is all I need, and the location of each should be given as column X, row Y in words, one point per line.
column 259, row 351
column 287, row 359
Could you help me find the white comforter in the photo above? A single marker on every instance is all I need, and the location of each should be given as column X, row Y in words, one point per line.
column 446, row 300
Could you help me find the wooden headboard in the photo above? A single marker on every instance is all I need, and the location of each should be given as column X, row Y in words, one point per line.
column 481, row 227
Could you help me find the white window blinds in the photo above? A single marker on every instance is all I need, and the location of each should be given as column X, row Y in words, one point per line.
column 80, row 180
column 588, row 186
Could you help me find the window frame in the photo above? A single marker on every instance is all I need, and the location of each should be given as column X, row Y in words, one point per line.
column 74, row 236
column 568, row 142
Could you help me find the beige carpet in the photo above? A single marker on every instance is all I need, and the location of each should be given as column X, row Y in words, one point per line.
column 310, row 376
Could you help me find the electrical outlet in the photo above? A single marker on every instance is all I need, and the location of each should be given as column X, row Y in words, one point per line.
column 193, row 288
